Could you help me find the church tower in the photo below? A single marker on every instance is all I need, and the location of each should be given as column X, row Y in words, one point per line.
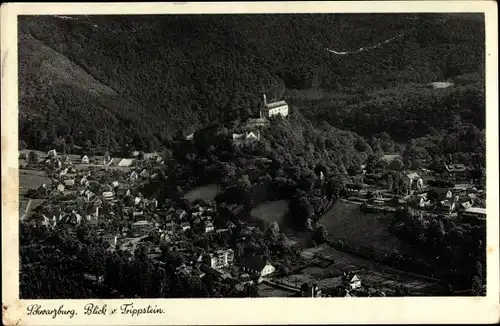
column 264, row 102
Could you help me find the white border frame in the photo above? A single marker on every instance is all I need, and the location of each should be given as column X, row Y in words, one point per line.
column 247, row 311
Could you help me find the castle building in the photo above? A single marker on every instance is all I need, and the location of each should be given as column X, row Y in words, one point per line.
column 271, row 109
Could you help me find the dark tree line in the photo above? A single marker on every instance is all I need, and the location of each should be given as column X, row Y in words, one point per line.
column 452, row 250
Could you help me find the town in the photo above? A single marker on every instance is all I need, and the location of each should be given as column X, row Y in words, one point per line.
column 204, row 239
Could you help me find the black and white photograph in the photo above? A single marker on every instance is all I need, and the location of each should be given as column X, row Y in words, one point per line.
column 252, row 155
column 284, row 157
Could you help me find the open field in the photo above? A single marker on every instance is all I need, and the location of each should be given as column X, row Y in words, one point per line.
column 345, row 220
column 40, row 154
column 31, row 179
column 207, row 192
column 270, row 212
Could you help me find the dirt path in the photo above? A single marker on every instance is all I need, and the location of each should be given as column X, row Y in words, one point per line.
column 366, row 48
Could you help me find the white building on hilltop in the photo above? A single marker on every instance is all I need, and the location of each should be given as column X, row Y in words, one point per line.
column 274, row 108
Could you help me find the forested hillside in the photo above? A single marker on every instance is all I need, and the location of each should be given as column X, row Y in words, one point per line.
column 140, row 80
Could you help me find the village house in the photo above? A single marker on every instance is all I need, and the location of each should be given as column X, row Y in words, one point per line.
column 209, row 227
column 320, row 178
column 106, row 159
column 465, row 205
column 248, row 136
column 92, row 211
column 354, row 188
column 23, row 164
column 274, row 108
column 150, row 156
column 447, row 203
column 415, row 182
column 475, row 213
column 67, row 160
column 52, row 154
column 153, row 203
column 125, row 162
column 186, row 270
column 220, row 258
column 443, row 194
column 181, row 213
column 142, row 226
column 112, row 239
column 107, row 195
column 198, row 273
column 257, row 266
column 134, row 176
column 307, row 291
column 144, row 174
column 256, row 123
column 445, row 207
column 83, row 180
column 185, row 226
column 454, row 172
column 242, row 281
column 89, row 194
column 107, row 187
column 74, row 216
column 42, row 190
column 425, row 172
column 137, row 213
column 351, row 280
column 421, row 201
column 60, row 187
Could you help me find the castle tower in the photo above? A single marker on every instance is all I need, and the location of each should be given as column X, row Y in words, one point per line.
column 264, row 102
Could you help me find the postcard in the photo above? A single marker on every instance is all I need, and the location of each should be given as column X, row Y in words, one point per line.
column 250, row 163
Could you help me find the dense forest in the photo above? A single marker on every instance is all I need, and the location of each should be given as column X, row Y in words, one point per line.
column 285, row 164
column 115, row 81
column 455, row 251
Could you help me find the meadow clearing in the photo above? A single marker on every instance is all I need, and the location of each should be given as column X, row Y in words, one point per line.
column 207, row 192
column 31, row 179
column 272, row 211
column 346, row 221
